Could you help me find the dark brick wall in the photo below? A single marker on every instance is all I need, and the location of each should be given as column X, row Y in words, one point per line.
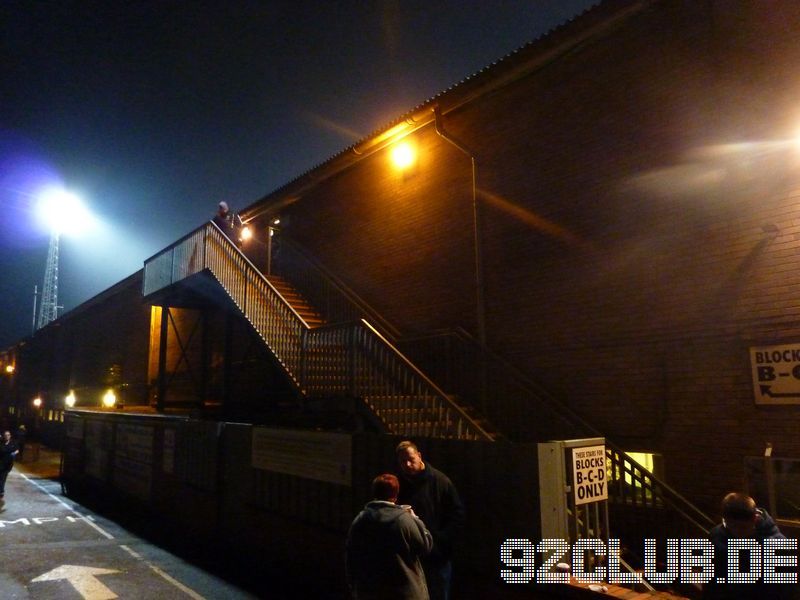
column 106, row 345
column 624, row 191
column 403, row 242
column 100, row 344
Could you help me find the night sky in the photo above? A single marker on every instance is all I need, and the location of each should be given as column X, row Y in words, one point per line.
column 152, row 112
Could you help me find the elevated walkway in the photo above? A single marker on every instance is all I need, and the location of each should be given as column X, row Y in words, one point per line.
column 349, row 359
column 353, row 359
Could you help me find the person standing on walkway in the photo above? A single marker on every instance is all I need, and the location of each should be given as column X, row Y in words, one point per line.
column 435, row 499
column 384, row 546
column 230, row 223
column 8, row 450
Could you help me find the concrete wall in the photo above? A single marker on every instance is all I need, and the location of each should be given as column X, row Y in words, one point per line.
column 198, row 477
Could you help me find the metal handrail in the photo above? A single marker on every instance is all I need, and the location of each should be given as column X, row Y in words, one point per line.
column 426, row 379
column 659, row 489
column 616, row 455
column 293, row 341
column 241, row 256
column 360, row 306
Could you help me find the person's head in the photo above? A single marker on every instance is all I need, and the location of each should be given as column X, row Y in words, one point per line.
column 739, row 514
column 223, row 208
column 409, row 458
column 6, row 436
column 385, row 487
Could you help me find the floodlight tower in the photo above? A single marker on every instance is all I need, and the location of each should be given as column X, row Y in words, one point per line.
column 48, row 310
column 63, row 212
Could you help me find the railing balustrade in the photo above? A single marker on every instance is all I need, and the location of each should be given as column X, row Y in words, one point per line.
column 526, row 412
column 344, row 359
column 775, row 482
column 634, row 487
column 355, row 359
column 324, row 291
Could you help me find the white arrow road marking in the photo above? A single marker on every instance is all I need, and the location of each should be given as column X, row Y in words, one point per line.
column 89, row 520
column 82, row 579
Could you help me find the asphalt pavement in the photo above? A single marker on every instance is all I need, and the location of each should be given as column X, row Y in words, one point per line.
column 54, row 548
column 57, row 548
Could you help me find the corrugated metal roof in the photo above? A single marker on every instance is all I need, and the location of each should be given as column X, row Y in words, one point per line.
column 597, row 14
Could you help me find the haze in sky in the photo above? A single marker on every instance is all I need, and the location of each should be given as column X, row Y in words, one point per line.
column 153, row 112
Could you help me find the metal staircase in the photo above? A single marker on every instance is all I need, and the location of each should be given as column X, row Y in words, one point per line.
column 519, row 408
column 296, row 301
column 339, row 354
column 322, row 360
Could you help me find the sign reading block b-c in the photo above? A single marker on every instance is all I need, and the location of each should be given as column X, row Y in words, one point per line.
column 776, row 374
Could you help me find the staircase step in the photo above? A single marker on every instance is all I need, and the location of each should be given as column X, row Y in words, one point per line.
column 328, row 369
column 296, row 300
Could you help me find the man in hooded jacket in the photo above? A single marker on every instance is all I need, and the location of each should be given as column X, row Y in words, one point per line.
column 384, row 546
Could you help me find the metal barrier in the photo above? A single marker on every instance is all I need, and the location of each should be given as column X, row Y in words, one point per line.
column 775, row 483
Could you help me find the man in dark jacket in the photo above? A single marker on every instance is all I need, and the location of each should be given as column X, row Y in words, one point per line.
column 384, row 546
column 741, row 519
column 434, row 498
column 229, row 223
column 8, row 450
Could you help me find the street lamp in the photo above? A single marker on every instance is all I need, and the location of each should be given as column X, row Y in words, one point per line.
column 70, row 400
column 37, row 403
column 110, row 399
column 403, row 155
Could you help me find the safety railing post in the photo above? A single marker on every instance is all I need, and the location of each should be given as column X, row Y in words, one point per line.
column 172, row 266
column 246, row 289
column 205, row 246
column 303, row 370
column 351, row 361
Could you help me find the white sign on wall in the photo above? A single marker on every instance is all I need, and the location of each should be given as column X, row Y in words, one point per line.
column 316, row 455
column 589, row 482
column 776, row 374
column 135, row 442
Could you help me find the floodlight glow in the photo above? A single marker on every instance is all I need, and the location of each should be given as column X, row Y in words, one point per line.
column 9, row 369
column 63, row 212
column 37, row 402
column 403, row 155
column 247, row 233
column 109, row 400
column 70, row 399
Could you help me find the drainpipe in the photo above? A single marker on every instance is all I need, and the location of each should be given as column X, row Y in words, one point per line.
column 480, row 306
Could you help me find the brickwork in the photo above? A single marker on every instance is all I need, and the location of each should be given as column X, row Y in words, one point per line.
column 640, row 225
